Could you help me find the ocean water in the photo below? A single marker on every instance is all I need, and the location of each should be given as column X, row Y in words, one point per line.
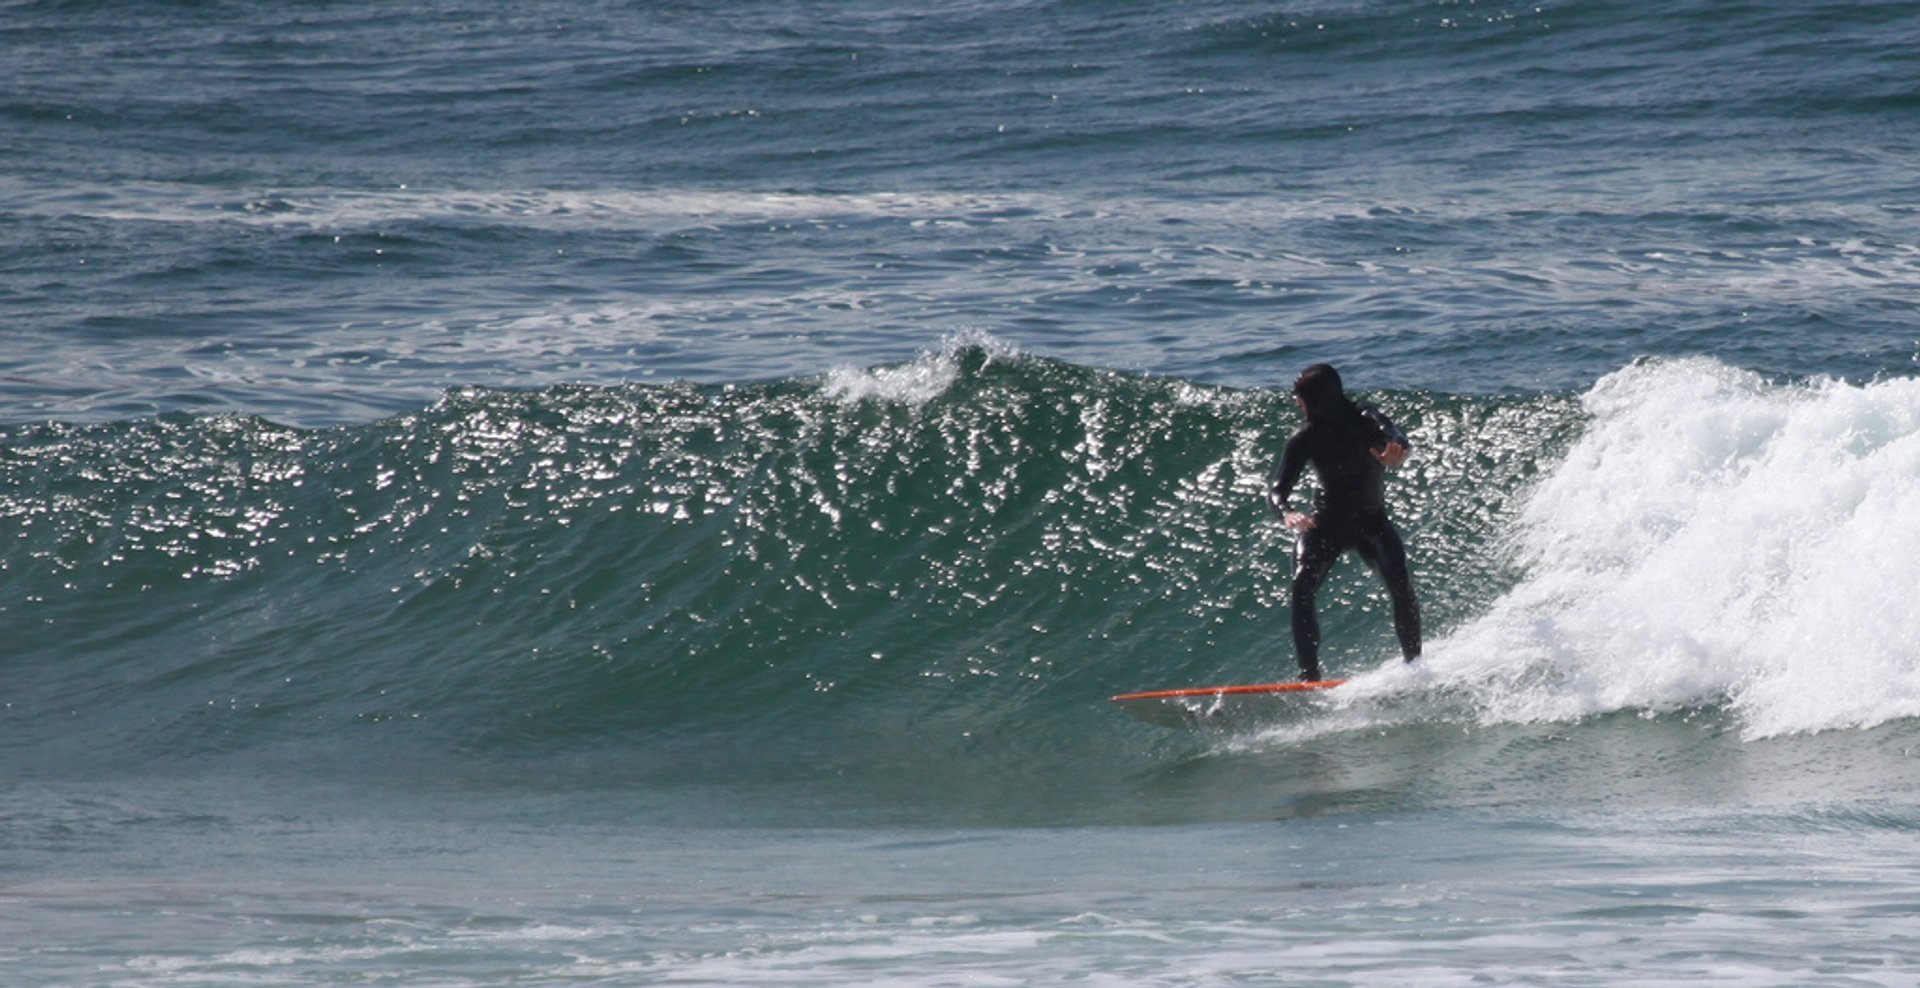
column 601, row 494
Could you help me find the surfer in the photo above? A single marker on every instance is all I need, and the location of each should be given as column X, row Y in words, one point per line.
column 1350, row 448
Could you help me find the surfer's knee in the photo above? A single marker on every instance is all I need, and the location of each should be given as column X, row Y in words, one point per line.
column 1306, row 586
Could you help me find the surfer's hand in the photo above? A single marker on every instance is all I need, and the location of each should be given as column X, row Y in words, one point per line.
column 1392, row 456
column 1299, row 521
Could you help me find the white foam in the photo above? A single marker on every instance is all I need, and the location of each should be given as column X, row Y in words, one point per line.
column 914, row 383
column 1781, row 273
column 589, row 209
column 1714, row 538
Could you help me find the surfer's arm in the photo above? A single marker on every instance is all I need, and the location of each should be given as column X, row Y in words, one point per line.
column 1293, row 460
column 1395, row 446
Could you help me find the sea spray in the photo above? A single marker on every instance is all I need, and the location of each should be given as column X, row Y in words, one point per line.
column 1715, row 538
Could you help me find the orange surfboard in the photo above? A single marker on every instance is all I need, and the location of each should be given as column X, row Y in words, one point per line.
column 1223, row 706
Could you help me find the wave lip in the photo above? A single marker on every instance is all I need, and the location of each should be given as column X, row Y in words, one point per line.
column 921, row 380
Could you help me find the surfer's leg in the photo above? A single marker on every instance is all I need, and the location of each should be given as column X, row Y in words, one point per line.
column 1313, row 555
column 1387, row 554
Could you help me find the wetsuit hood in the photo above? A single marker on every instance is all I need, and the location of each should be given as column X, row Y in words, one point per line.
column 1319, row 389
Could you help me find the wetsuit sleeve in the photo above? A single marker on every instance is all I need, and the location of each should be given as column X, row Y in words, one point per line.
column 1389, row 432
column 1292, row 461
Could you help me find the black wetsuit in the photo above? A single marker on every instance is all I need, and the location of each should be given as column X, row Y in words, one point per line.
column 1349, row 512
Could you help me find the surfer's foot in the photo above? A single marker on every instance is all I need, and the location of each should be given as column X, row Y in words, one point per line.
column 1311, row 675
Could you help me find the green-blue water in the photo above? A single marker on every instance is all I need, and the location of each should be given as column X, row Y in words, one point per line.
column 842, row 582
column 602, row 495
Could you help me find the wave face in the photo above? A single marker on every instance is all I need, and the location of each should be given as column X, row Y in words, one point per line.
column 927, row 576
